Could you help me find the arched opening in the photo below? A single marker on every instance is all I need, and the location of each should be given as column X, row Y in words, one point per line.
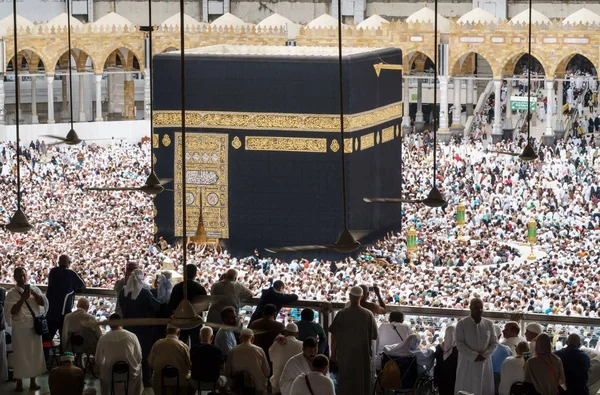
column 521, row 66
column 82, row 68
column 31, row 66
column 122, row 72
column 473, row 64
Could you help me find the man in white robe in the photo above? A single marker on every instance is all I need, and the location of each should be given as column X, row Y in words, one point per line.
column 28, row 351
column 119, row 345
column 476, row 342
column 298, row 364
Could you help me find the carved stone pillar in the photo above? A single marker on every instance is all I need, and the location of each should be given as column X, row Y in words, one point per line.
column 497, row 126
column 457, row 128
column 129, row 97
column 419, row 121
column 50, row 82
column 34, row 115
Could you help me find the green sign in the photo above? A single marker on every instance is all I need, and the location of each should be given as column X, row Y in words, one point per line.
column 518, row 103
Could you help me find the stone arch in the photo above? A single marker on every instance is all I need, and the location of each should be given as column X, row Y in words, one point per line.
column 466, row 63
column 560, row 68
column 417, row 61
column 509, row 63
column 31, row 56
column 79, row 60
column 128, row 58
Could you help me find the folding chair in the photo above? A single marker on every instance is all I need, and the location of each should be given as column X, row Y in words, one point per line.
column 169, row 373
column 77, row 344
column 120, row 368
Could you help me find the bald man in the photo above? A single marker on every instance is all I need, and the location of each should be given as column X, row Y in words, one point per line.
column 208, row 361
column 234, row 294
column 74, row 325
column 576, row 364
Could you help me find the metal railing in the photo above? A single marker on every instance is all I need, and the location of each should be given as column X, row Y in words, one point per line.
column 327, row 310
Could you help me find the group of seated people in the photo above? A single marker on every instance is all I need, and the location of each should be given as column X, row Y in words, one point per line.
column 289, row 367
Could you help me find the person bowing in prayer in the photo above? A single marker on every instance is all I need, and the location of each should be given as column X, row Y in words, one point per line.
column 476, row 342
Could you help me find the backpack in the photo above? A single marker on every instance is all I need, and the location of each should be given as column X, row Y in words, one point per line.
column 398, row 373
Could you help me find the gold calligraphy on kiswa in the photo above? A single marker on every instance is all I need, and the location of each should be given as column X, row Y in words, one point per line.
column 207, row 188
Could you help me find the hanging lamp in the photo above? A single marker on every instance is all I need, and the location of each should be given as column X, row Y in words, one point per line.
column 18, row 222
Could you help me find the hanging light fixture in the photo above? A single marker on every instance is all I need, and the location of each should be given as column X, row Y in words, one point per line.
column 345, row 242
column 528, row 154
column 153, row 185
column 434, row 197
column 18, row 222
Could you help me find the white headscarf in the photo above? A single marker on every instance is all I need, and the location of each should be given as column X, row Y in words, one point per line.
column 135, row 283
column 404, row 348
column 165, row 287
column 449, row 341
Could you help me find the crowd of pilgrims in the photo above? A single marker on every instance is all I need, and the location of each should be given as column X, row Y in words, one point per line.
column 104, row 231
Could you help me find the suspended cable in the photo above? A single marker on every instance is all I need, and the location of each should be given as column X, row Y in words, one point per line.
column 70, row 65
column 183, row 186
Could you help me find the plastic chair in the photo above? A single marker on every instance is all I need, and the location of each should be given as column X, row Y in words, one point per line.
column 77, row 342
column 120, row 368
column 169, row 372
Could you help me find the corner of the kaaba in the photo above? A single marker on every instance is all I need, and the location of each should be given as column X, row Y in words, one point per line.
column 263, row 145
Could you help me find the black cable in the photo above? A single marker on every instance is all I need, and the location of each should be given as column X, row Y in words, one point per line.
column 69, row 55
column 343, row 145
column 183, row 188
column 529, row 78
column 18, row 102
column 435, row 73
column 150, row 49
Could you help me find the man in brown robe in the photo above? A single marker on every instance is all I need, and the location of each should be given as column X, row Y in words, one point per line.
column 352, row 333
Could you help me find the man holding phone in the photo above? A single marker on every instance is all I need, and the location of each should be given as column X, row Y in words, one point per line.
column 23, row 303
column 375, row 308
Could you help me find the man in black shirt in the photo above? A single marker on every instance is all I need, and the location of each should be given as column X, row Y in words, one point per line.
column 274, row 296
column 62, row 285
column 208, row 362
column 194, row 289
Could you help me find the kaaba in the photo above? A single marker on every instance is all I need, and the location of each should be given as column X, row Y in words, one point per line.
column 263, row 160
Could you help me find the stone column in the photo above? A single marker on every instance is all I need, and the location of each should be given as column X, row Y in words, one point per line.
column 559, row 130
column 2, row 111
column 82, row 117
column 50, row 82
column 497, row 126
column 406, row 107
column 419, row 121
column 548, row 137
column 64, row 112
column 443, row 130
column 147, row 97
column 110, row 91
column 34, row 114
column 457, row 128
column 470, row 87
column 128, row 97
column 98, row 83
column 508, row 124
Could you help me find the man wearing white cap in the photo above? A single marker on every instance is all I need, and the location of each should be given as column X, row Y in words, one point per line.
column 531, row 333
column 249, row 359
column 284, row 348
column 352, row 333
column 67, row 379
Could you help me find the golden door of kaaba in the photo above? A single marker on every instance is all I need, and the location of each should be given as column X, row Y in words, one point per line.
column 206, row 183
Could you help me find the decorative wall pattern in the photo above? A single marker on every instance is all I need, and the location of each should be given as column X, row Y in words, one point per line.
column 207, row 173
column 277, row 121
